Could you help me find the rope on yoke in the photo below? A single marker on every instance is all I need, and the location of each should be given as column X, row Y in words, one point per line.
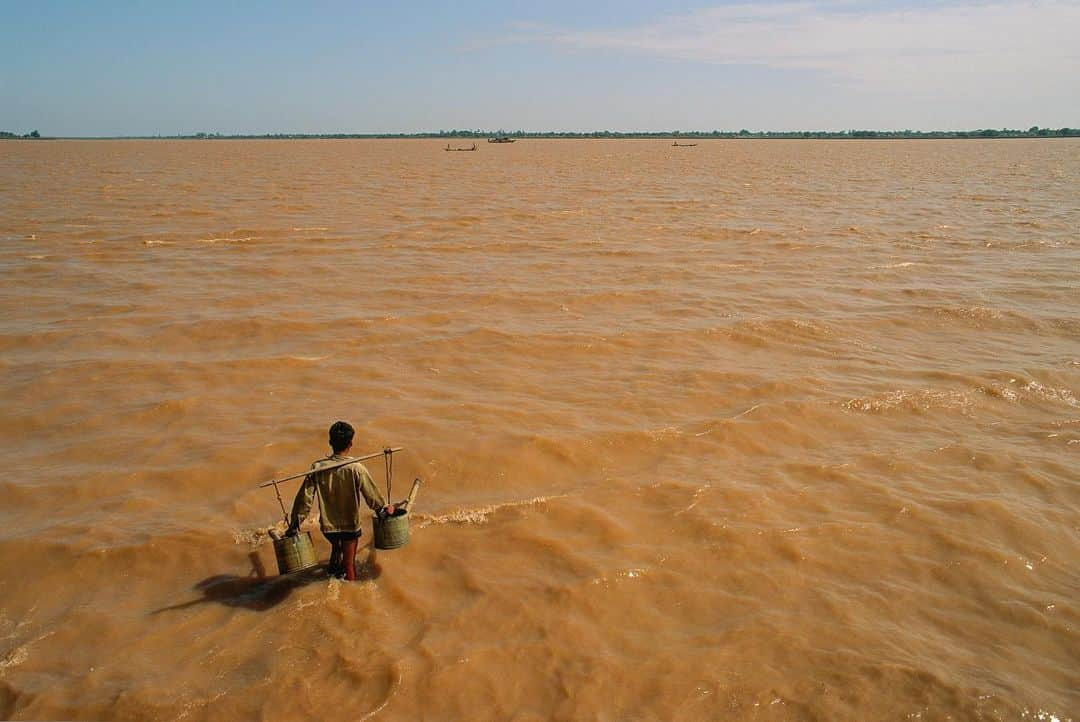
column 284, row 514
column 388, row 465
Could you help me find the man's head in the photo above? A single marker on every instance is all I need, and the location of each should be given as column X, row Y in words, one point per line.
column 341, row 436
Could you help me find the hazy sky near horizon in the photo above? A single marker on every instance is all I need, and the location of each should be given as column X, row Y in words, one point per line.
column 134, row 68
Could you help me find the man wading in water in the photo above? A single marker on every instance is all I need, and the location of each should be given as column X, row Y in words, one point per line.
column 339, row 491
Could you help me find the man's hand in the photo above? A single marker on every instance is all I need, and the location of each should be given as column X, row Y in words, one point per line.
column 389, row 510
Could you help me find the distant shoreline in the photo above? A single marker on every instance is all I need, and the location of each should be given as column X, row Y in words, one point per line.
column 1033, row 132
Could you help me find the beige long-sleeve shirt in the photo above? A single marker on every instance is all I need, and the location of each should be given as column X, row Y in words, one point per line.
column 339, row 492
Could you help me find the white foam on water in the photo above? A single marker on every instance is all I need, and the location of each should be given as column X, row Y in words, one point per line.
column 16, row 657
column 730, row 418
column 1062, row 395
column 481, row 514
column 258, row 536
column 1043, row 716
column 694, row 498
column 664, row 433
column 923, row 399
column 630, row 573
column 22, row 653
column 904, row 264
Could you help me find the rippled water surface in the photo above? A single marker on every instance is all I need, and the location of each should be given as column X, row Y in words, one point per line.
column 753, row 430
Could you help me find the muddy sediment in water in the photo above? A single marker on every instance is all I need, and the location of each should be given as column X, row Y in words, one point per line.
column 749, row 430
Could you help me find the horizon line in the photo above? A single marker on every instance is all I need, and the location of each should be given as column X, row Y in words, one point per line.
column 1033, row 131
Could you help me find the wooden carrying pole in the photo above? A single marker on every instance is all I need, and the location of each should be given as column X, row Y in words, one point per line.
column 335, row 465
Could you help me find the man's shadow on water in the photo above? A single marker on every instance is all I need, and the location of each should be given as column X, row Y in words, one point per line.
column 260, row 592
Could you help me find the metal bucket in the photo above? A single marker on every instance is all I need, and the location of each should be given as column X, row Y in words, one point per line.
column 390, row 532
column 294, row 553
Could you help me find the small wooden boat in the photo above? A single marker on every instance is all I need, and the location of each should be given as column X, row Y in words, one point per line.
column 460, row 150
column 501, row 139
column 677, row 144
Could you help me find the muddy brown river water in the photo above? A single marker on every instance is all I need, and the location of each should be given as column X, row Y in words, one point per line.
column 753, row 430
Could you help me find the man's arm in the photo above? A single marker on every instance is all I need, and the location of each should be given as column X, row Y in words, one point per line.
column 366, row 486
column 302, row 504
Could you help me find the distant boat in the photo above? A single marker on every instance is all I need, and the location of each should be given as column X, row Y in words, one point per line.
column 677, row 144
column 501, row 139
column 459, row 150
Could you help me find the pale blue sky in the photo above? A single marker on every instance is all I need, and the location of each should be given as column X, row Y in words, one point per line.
column 118, row 68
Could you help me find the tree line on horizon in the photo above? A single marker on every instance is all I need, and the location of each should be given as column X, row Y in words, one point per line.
column 1032, row 132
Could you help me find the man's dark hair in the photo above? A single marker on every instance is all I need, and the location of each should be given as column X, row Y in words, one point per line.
column 341, row 435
